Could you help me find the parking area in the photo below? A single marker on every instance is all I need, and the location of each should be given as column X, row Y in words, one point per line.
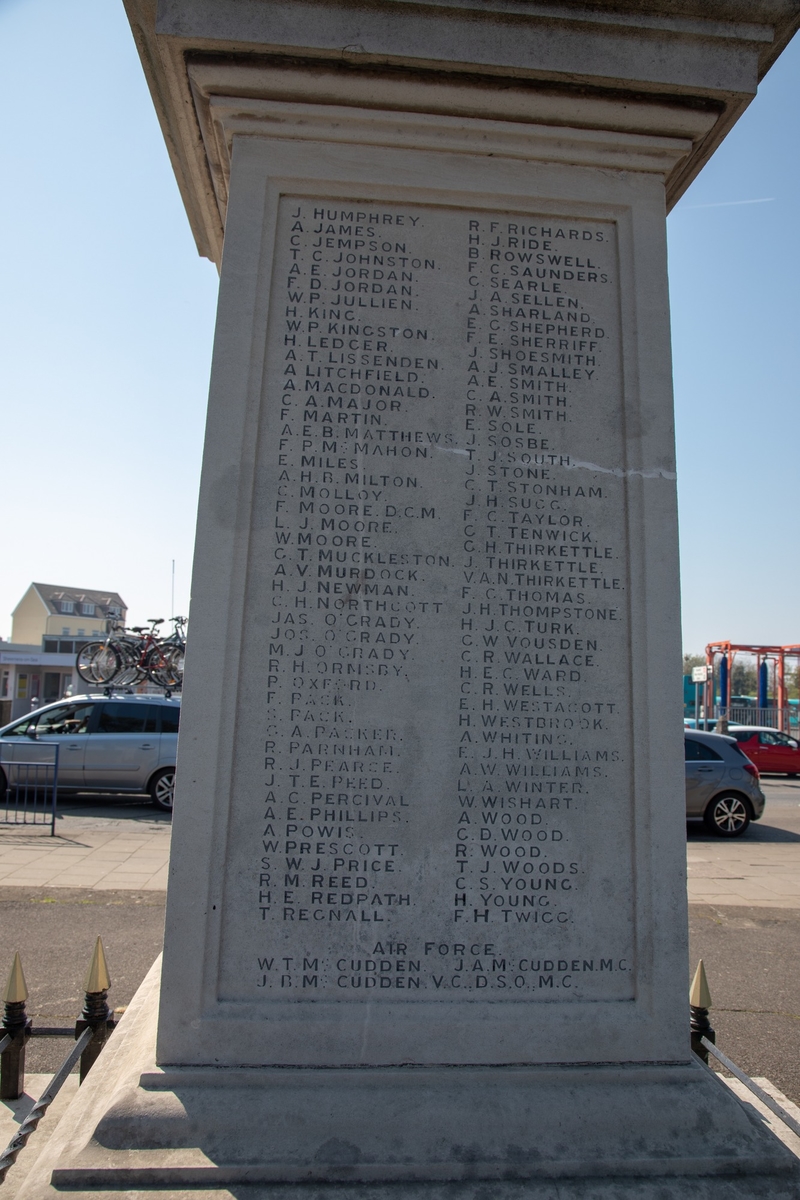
column 119, row 842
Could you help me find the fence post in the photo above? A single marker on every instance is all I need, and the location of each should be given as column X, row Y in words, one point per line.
column 699, row 1004
column 96, row 1015
column 17, row 1026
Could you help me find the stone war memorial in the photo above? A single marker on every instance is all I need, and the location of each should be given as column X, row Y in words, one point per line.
column 426, row 924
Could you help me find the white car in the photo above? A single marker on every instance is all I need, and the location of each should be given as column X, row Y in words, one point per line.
column 116, row 743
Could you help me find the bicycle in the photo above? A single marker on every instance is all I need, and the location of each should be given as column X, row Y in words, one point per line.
column 124, row 661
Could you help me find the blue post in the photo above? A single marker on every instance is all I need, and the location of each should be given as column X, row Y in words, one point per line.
column 763, row 685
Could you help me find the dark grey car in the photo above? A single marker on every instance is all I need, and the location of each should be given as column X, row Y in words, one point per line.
column 722, row 785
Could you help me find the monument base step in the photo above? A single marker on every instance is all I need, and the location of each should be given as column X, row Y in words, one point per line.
column 666, row 1132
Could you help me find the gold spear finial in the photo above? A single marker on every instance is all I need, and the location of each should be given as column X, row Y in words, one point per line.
column 16, row 988
column 699, row 995
column 97, row 977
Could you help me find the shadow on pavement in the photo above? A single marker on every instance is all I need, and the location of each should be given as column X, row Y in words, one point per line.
column 109, row 806
column 757, row 832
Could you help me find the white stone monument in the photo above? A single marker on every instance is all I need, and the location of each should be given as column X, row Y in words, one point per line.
column 427, row 908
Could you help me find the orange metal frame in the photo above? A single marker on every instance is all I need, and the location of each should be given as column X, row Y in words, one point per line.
column 729, row 650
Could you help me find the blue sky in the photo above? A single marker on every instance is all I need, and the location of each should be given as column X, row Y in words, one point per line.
column 107, row 316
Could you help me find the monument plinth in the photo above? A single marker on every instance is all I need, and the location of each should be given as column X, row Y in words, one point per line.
column 427, row 910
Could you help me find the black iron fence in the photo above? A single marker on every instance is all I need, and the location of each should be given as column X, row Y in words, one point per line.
column 91, row 1032
column 28, row 783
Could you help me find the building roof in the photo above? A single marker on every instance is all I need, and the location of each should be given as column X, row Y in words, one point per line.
column 52, row 594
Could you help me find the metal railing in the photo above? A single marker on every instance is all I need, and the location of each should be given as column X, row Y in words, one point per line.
column 703, row 1041
column 28, row 786
column 774, row 718
column 92, row 1030
column 765, row 1098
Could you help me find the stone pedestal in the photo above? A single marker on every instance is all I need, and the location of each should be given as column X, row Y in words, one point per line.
column 426, row 921
column 624, row 1131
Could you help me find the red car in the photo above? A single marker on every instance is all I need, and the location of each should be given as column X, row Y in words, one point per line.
column 773, row 752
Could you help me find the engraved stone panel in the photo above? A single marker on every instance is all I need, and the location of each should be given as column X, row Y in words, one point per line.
column 432, row 794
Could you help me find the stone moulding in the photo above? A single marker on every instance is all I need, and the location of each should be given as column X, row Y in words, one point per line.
column 646, row 66
column 223, row 117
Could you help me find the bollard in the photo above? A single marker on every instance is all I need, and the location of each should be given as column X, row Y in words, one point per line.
column 699, row 1004
column 96, row 1015
column 17, row 1026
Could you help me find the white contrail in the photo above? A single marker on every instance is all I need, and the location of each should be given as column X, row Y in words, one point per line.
column 731, row 203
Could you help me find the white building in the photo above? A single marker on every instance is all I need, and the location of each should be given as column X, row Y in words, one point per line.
column 48, row 610
column 50, row 625
column 30, row 675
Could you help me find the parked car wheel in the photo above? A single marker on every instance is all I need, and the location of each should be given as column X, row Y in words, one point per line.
column 727, row 815
column 162, row 788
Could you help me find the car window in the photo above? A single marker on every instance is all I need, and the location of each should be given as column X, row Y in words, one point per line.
column 170, row 717
column 22, row 727
column 697, row 751
column 765, row 738
column 783, row 739
column 742, row 735
column 65, row 719
column 127, row 718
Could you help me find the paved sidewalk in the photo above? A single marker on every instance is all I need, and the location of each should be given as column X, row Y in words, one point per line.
column 88, row 852
column 131, row 852
column 759, row 869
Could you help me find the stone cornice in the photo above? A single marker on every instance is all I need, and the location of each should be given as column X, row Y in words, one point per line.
column 677, row 68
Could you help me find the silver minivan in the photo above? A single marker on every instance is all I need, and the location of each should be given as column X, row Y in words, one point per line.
column 114, row 743
column 722, row 785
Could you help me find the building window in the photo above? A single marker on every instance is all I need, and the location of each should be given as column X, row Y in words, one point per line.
column 114, row 611
column 65, row 647
column 67, row 606
column 22, row 687
column 52, row 685
column 50, row 646
column 87, row 609
column 4, row 684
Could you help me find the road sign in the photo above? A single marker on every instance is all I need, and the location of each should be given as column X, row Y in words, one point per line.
column 699, row 674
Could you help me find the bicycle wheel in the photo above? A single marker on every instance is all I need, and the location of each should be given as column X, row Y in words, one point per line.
column 131, row 671
column 159, row 667
column 98, row 662
column 176, row 657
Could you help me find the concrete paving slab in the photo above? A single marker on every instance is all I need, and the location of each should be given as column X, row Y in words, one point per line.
column 125, row 851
